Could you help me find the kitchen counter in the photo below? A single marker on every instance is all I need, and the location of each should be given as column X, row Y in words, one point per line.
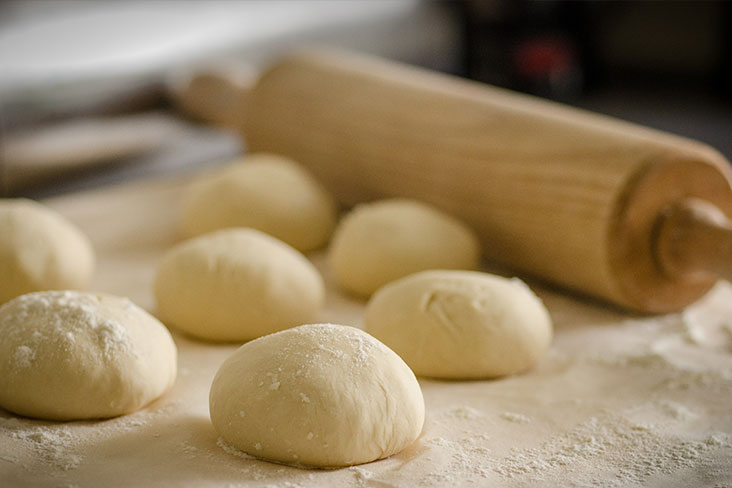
column 619, row 400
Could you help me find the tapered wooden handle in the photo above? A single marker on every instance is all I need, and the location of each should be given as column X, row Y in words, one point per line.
column 695, row 238
column 215, row 94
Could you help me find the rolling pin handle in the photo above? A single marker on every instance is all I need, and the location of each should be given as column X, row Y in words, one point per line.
column 216, row 94
column 694, row 239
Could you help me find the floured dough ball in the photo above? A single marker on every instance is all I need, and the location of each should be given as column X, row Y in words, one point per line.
column 317, row 395
column 67, row 355
column 266, row 192
column 383, row 241
column 40, row 250
column 460, row 324
column 236, row 285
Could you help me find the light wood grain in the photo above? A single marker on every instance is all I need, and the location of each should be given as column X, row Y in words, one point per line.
column 694, row 237
column 555, row 192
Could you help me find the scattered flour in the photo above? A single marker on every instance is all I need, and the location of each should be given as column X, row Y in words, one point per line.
column 465, row 457
column 57, row 444
column 462, row 412
column 53, row 444
column 515, row 417
column 23, row 357
column 363, row 351
column 677, row 410
column 362, row 475
column 274, row 381
column 284, row 484
column 229, row 449
column 190, row 449
column 705, row 330
column 682, row 368
column 62, row 316
column 611, row 444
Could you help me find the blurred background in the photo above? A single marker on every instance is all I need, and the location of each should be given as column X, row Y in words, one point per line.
column 90, row 92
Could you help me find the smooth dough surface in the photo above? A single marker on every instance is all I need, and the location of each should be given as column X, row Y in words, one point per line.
column 40, row 250
column 266, row 192
column 379, row 242
column 317, row 395
column 67, row 355
column 236, row 285
column 460, row 324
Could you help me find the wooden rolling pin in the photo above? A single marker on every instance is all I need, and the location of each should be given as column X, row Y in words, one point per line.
column 611, row 209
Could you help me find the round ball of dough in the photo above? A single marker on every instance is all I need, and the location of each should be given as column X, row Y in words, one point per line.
column 317, row 395
column 460, row 324
column 383, row 241
column 266, row 192
column 40, row 250
column 67, row 355
column 236, row 285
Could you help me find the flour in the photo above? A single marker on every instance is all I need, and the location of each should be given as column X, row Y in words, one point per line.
column 284, row 484
column 673, row 348
column 190, row 449
column 58, row 444
column 463, row 412
column 61, row 316
column 707, row 330
column 362, row 475
column 603, row 445
column 53, row 444
column 466, row 457
column 363, row 352
column 23, row 357
column 112, row 335
column 274, row 381
column 256, row 469
column 229, row 449
column 677, row 411
column 515, row 417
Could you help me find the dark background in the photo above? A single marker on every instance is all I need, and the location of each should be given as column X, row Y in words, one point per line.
column 663, row 64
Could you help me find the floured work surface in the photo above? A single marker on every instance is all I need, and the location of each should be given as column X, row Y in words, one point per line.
column 618, row 400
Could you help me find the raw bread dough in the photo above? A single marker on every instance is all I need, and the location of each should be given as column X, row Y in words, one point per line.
column 266, row 192
column 236, row 285
column 317, row 395
column 460, row 324
column 383, row 241
column 40, row 250
column 68, row 355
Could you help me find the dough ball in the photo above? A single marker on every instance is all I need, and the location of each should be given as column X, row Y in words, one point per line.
column 67, row 355
column 266, row 192
column 40, row 250
column 383, row 241
column 236, row 285
column 317, row 395
column 460, row 324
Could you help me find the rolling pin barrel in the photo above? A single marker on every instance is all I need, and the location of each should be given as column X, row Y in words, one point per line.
column 569, row 196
